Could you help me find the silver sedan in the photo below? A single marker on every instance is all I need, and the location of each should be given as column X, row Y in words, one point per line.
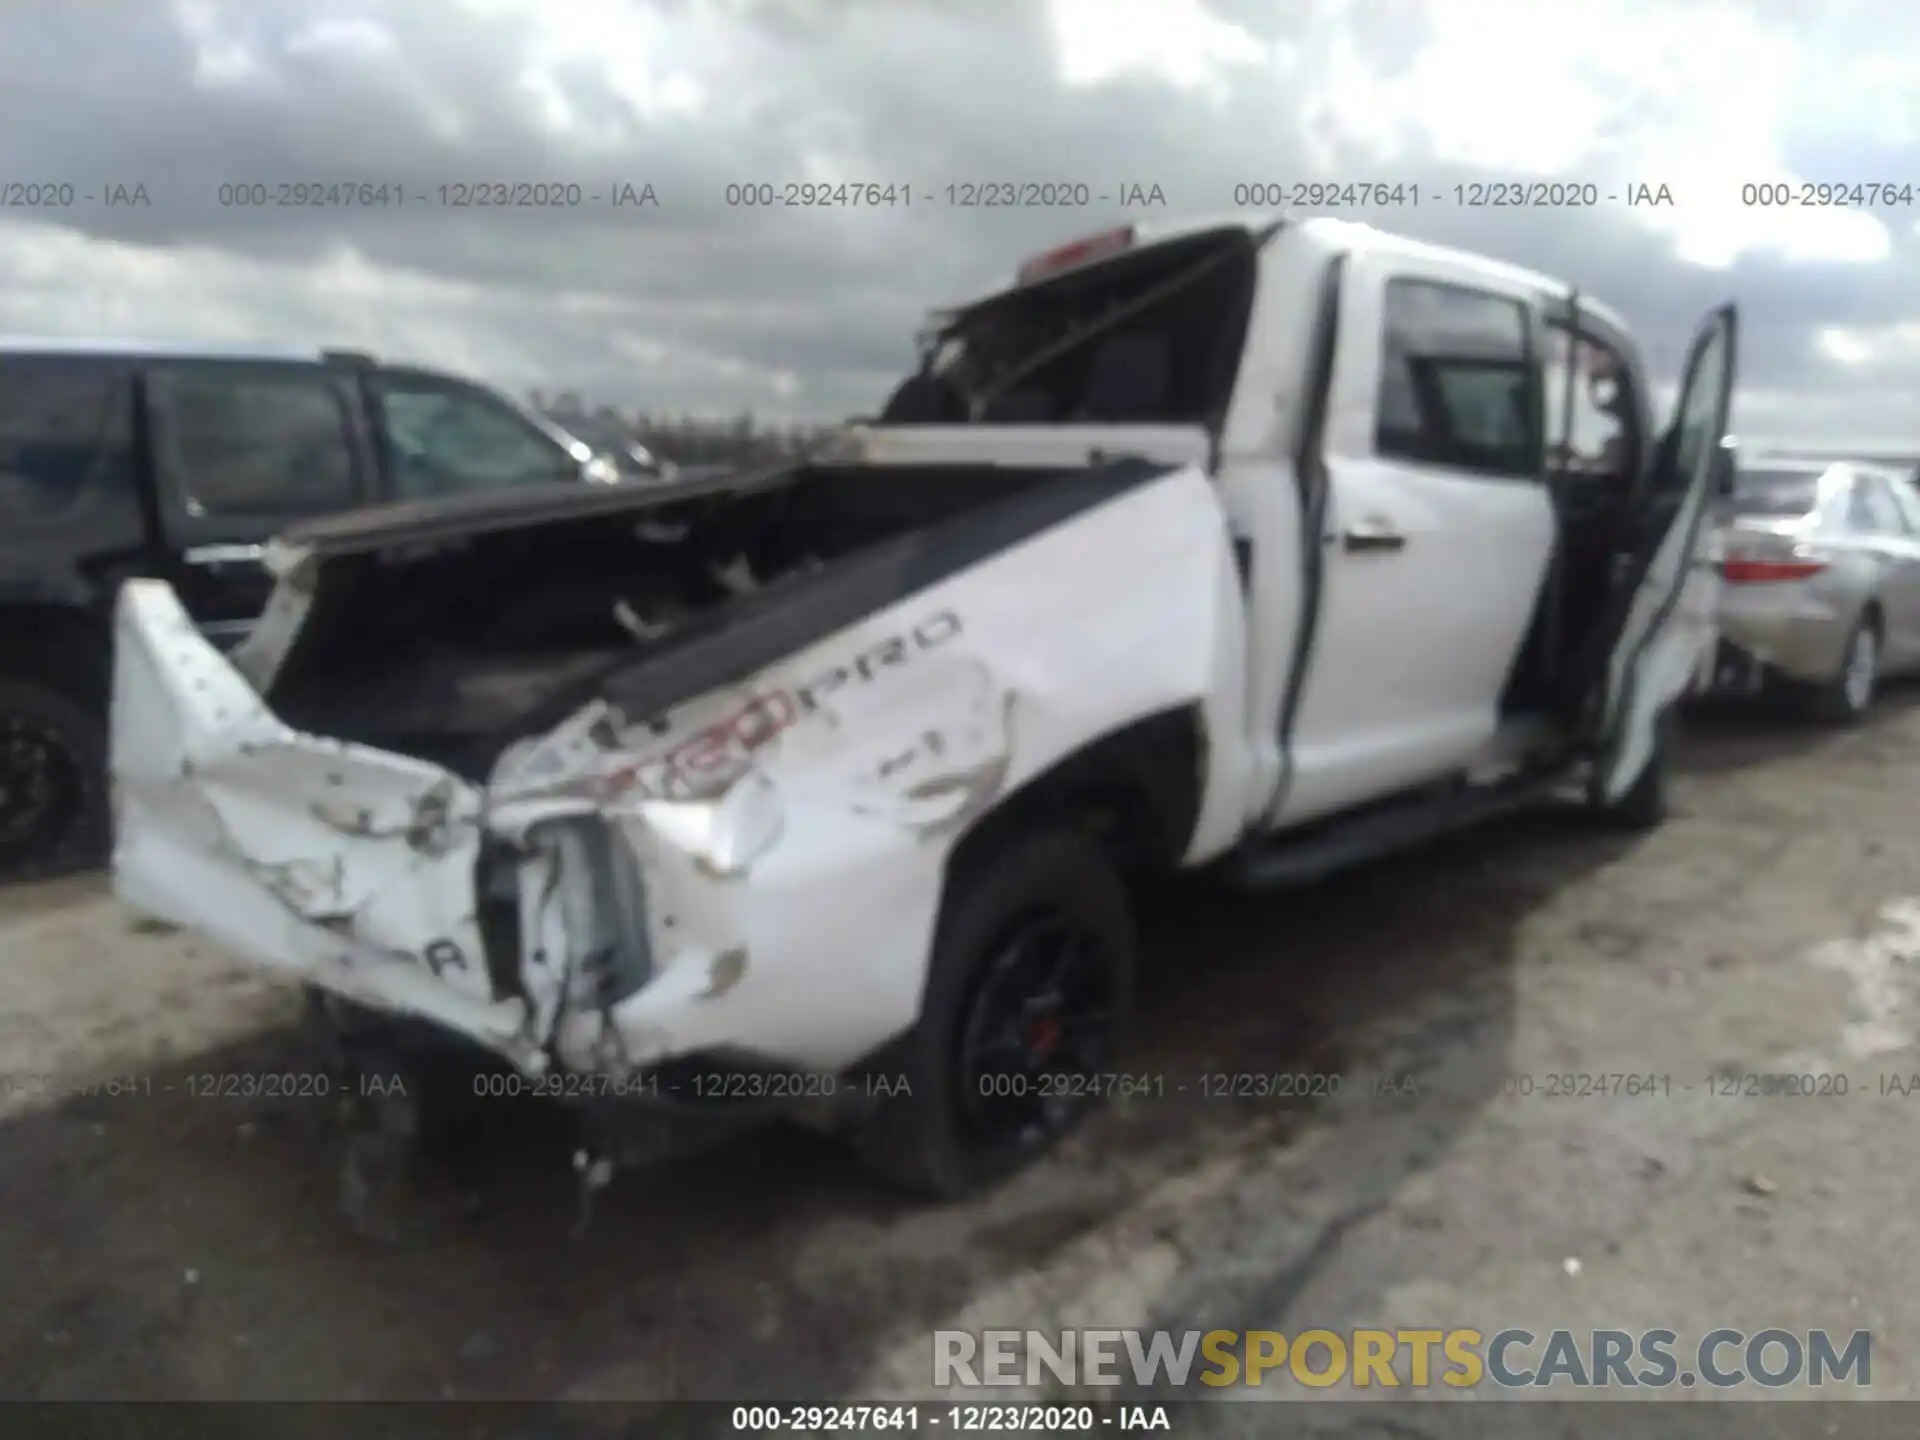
column 1820, row 570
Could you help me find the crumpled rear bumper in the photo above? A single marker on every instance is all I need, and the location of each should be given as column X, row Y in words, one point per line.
column 564, row 914
column 348, row 867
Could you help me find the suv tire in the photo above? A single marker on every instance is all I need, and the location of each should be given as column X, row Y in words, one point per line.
column 55, row 811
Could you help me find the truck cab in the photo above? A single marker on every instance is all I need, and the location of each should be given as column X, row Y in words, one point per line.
column 1260, row 547
column 1407, row 442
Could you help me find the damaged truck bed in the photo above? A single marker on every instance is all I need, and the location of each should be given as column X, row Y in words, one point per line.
column 1242, row 545
column 616, row 779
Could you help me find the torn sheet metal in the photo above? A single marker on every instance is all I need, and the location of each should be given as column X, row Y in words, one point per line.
column 757, row 870
column 794, row 832
column 700, row 748
column 927, row 754
column 351, row 864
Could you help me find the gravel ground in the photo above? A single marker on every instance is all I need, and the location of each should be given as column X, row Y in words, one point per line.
column 157, row 1243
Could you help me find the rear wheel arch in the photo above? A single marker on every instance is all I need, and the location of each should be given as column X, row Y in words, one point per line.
column 1138, row 789
column 1130, row 799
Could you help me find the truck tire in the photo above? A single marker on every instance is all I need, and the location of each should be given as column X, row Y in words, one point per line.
column 55, row 815
column 1028, row 994
column 1848, row 696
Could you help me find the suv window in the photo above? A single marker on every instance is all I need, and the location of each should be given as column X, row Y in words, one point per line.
column 236, row 440
column 444, row 437
column 65, row 430
column 1457, row 380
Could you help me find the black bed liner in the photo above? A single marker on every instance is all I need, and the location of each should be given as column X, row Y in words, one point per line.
column 359, row 669
column 731, row 643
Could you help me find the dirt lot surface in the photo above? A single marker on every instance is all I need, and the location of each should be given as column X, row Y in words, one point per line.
column 159, row 1242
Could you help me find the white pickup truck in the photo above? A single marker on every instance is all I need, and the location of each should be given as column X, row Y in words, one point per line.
column 1241, row 546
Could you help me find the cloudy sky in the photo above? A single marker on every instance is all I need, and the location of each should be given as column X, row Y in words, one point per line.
column 692, row 304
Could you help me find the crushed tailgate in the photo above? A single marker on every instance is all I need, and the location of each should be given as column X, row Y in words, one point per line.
column 337, row 861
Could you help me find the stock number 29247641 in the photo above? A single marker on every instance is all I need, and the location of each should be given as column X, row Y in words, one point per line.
column 1585, row 1085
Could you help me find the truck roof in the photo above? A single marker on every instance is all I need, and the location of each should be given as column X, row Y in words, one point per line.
column 1347, row 236
column 1344, row 237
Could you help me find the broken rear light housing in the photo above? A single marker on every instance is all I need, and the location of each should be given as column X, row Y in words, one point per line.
column 1075, row 254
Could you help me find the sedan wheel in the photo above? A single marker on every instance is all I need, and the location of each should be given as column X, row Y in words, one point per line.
column 1849, row 695
column 1863, row 669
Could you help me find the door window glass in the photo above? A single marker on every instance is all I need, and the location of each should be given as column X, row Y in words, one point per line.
column 444, row 438
column 1457, row 382
column 1777, row 494
column 1875, row 511
column 1591, row 425
column 1695, row 439
column 65, row 431
column 235, row 441
column 1909, row 503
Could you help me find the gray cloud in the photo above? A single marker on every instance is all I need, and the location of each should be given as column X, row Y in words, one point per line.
column 697, row 304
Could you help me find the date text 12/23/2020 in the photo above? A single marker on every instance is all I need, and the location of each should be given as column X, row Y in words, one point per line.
column 1336, row 195
column 58, row 193
column 1067, row 194
column 1280, row 194
column 965, row 1419
column 1565, row 195
column 1717, row 1084
column 321, row 1085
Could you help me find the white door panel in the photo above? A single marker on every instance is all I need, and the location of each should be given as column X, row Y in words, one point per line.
column 1414, row 642
column 1659, row 645
column 1431, row 572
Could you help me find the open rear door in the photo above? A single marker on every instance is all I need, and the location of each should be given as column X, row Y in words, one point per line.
column 1671, row 611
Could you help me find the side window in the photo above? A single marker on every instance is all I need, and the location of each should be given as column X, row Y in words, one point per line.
column 66, row 432
column 1874, row 509
column 444, row 438
column 1909, row 504
column 236, row 440
column 1457, row 381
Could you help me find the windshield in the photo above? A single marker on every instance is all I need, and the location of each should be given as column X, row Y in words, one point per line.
column 1151, row 338
column 1784, row 493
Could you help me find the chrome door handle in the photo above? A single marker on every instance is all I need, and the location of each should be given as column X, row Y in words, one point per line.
column 1373, row 534
column 225, row 554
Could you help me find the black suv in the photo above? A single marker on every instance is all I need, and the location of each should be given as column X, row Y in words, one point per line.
column 122, row 460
